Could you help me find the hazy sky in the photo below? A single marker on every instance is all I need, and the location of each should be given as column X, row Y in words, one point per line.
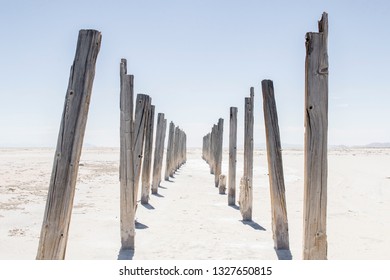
column 195, row 59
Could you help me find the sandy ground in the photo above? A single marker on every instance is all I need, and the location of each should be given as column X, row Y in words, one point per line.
column 189, row 219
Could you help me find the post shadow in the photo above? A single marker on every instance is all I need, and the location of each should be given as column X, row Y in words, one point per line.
column 158, row 195
column 234, row 207
column 253, row 224
column 139, row 225
column 148, row 206
column 283, row 254
column 125, row 254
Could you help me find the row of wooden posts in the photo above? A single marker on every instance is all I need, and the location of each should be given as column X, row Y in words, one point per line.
column 137, row 134
column 136, row 149
column 315, row 152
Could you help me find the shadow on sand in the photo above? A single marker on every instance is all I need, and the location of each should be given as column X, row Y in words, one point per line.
column 139, row 225
column 125, row 254
column 235, row 207
column 283, row 254
column 148, row 206
column 253, row 224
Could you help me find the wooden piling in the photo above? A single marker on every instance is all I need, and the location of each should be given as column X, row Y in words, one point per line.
column 126, row 170
column 246, row 185
column 206, row 148
column 158, row 152
column 147, row 160
column 222, row 184
column 275, row 168
column 176, row 144
column 55, row 226
column 141, row 114
column 169, row 151
column 316, row 142
column 245, row 199
column 218, row 151
column 213, row 148
column 232, row 156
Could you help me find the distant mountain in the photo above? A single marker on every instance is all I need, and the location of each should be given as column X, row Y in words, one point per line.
column 378, row 145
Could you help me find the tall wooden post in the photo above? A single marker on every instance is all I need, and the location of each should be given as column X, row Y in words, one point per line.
column 147, row 162
column 316, row 143
column 218, row 152
column 275, row 168
column 213, row 145
column 55, row 227
column 141, row 114
column 175, row 151
column 126, row 169
column 246, row 185
column 169, row 150
column 232, row 156
column 158, row 152
column 208, row 147
column 208, row 140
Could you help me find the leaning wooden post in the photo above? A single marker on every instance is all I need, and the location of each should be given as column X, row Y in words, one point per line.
column 141, row 114
column 316, row 143
column 275, row 168
column 147, row 162
column 126, row 170
column 246, row 183
column 55, row 227
column 232, row 156
column 169, row 150
column 158, row 152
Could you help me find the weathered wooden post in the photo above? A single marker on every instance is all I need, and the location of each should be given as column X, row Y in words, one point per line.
column 316, row 142
column 175, row 151
column 169, row 150
column 246, row 183
column 208, row 141
column 158, row 152
column 185, row 147
column 205, row 147
column 55, row 226
column 182, row 148
column 126, row 169
column 131, row 143
column 218, row 151
column 213, row 148
column 141, row 117
column 222, row 184
column 275, row 168
column 147, row 162
column 232, row 156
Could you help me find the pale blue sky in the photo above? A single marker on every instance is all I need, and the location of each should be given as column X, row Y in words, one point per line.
column 195, row 59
